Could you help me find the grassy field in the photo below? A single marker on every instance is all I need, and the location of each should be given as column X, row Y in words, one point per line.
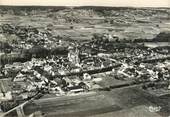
column 129, row 23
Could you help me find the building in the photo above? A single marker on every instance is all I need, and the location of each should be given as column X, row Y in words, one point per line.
column 73, row 56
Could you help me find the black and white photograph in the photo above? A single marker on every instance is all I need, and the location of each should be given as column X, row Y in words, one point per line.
column 85, row 60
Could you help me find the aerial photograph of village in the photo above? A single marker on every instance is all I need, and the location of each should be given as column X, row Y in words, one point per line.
column 84, row 61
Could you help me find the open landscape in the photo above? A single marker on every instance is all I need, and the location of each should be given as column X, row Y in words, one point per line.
column 84, row 61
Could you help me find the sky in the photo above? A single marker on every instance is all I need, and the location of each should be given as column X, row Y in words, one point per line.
column 131, row 3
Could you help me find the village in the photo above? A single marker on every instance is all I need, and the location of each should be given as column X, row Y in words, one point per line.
column 37, row 64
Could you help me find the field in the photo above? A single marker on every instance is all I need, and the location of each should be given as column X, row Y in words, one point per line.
column 80, row 23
